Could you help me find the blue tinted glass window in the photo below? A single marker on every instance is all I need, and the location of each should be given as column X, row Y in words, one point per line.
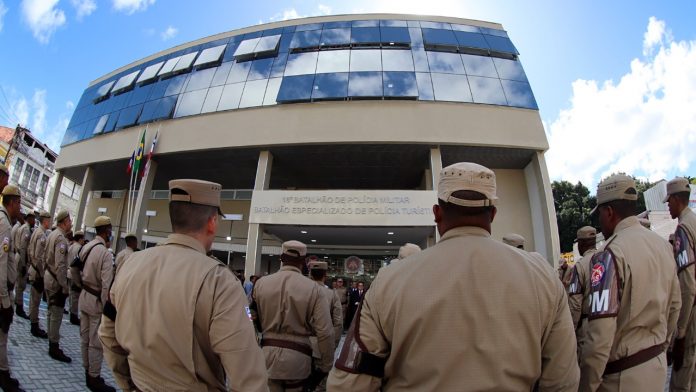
column 332, row 37
column 296, row 88
column 365, row 60
column 272, row 91
column 365, row 35
column 416, row 37
column 71, row 136
column 210, row 56
column 487, row 90
column 125, row 82
column 392, row 23
column 111, row 123
column 289, row 29
column 479, row 66
column 500, row 44
column 519, row 94
column 330, row 86
column 336, row 25
column 445, row 62
column 146, row 115
column 176, row 85
column 260, row 69
column 253, row 93
column 397, row 35
column 310, row 26
column 190, row 103
column 128, row 116
column 471, row 40
column 212, row 99
column 470, row 29
column 413, row 23
column 165, row 108
column 221, row 74
column 268, row 44
column 158, row 89
column 268, row 32
column 510, row 69
column 140, row 94
column 246, row 47
column 420, row 60
column 230, row 96
column 366, row 23
column 101, row 123
column 200, row 79
column 229, row 52
column 400, row 84
column 365, row 84
column 496, row 32
column 185, row 62
column 239, row 72
column 306, row 39
column 301, row 63
column 439, row 37
column 425, row 86
column 253, row 34
column 333, row 61
column 448, row 87
column 435, row 25
column 279, row 65
column 168, row 66
column 285, row 41
column 397, row 60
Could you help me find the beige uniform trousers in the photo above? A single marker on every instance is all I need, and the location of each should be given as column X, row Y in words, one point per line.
column 20, row 286
column 92, row 352
column 74, row 299
column 648, row 376
column 685, row 378
column 34, row 302
column 279, row 385
column 54, row 319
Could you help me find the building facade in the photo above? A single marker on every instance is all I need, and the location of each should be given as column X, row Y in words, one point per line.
column 331, row 130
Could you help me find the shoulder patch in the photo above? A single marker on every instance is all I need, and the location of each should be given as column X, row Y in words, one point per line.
column 6, row 245
column 248, row 313
column 604, row 286
column 575, row 286
column 683, row 251
column 61, row 248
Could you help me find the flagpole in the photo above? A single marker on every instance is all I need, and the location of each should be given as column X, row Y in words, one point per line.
column 133, row 182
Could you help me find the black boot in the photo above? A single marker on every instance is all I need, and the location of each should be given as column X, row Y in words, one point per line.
column 20, row 312
column 7, row 383
column 74, row 320
column 38, row 332
column 56, row 353
column 97, row 384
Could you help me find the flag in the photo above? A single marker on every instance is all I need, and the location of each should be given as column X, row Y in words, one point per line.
column 139, row 154
column 130, row 163
column 149, row 155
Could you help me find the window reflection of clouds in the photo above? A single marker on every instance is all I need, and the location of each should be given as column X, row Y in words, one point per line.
column 330, row 86
column 190, row 103
column 301, row 63
column 231, row 96
column 272, row 91
column 365, row 84
column 400, row 84
column 448, row 87
column 510, row 69
column 296, row 88
column 253, row 93
column 335, row 37
column 519, row 94
column 479, row 66
column 445, row 62
column 333, row 61
column 365, row 60
column 260, row 69
column 239, row 72
column 425, row 86
column 212, row 99
column 487, row 90
column 397, row 60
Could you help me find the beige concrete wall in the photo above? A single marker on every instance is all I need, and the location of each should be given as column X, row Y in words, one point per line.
column 322, row 123
column 514, row 214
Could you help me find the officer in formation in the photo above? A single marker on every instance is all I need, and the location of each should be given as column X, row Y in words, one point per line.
column 289, row 309
column 131, row 246
column 407, row 342
column 579, row 288
column 406, row 250
column 37, row 263
column 634, row 298
column 181, row 319
column 514, row 240
column 74, row 276
column 342, row 293
column 22, row 244
column 684, row 249
column 56, row 281
column 9, row 211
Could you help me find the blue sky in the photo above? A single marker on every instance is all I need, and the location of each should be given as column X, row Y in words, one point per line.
column 596, row 67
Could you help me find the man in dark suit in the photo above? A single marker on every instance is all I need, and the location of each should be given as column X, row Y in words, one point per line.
column 354, row 298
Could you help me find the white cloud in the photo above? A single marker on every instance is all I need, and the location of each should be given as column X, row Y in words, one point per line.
column 132, row 6
column 324, row 9
column 39, row 106
column 292, row 13
column 32, row 113
column 3, row 11
column 169, row 33
column 43, row 18
column 20, row 108
column 643, row 124
column 84, row 7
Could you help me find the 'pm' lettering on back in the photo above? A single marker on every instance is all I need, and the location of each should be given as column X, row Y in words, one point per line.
column 604, row 290
column 600, row 301
column 683, row 249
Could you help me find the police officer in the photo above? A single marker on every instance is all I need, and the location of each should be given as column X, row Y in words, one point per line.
column 181, row 319
column 4, row 176
column 406, row 250
column 97, row 273
column 10, row 210
column 634, row 298
column 131, row 246
column 290, row 308
column 56, row 281
column 22, row 244
column 75, row 279
column 514, row 240
column 468, row 282
column 342, row 293
column 17, row 225
column 684, row 248
column 579, row 288
column 37, row 263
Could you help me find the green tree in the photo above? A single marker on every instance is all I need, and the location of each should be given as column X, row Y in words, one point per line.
column 641, row 187
column 573, row 205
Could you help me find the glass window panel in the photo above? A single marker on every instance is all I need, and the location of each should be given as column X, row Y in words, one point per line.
column 365, row 84
column 400, row 84
column 471, row 40
column 467, row 28
column 301, row 63
column 396, row 35
column 310, row 26
column 231, row 96
column 365, row 35
column 445, row 62
column 479, row 65
column 221, row 74
column 128, row 116
column 336, row 25
column 246, row 47
column 253, row 34
column 487, row 90
column 510, row 69
column 330, row 37
column 158, row 89
column 190, row 103
column 365, row 60
column 141, row 94
column 439, row 37
column 392, row 23
column 519, row 94
column 285, row 41
column 229, row 52
column 501, row 44
column 212, row 99
column 150, row 72
column 104, row 89
column 126, row 81
column 260, row 69
column 200, row 79
column 272, row 91
column 420, row 60
column 268, row 44
column 279, row 65
column 496, row 32
column 269, row 32
column 448, row 87
column 333, row 61
column 176, row 85
column 435, row 25
column 111, row 123
column 239, row 72
column 306, row 39
column 296, row 88
column 253, row 93
column 289, row 29
column 146, row 115
column 168, row 67
column 397, row 60
column 366, row 23
column 330, row 86
column 101, row 123
column 413, row 23
column 416, row 37
column 185, row 62
column 210, row 56
column 425, row 86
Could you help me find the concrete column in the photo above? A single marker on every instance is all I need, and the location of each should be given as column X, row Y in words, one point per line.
column 143, row 198
column 543, row 212
column 55, row 193
column 252, row 263
column 87, row 181
column 435, row 169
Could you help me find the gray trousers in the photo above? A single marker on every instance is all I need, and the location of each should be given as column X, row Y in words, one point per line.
column 34, row 302
column 4, row 362
column 55, row 319
column 20, row 286
column 92, row 352
column 74, row 301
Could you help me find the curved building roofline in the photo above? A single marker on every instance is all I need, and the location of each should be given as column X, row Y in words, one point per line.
column 292, row 22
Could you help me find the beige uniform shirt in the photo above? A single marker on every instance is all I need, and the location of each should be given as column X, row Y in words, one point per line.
column 342, row 295
column 122, row 256
column 96, row 274
column 291, row 307
column 331, row 298
column 37, row 253
column 579, row 288
column 635, row 310
column 57, row 262
column 8, row 268
column 468, row 314
column 22, row 244
column 182, row 323
column 687, row 278
column 72, row 253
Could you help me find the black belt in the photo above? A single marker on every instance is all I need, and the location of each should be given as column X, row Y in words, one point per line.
column 300, row 347
column 636, row 359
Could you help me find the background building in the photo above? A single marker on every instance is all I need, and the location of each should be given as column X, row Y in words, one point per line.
column 330, row 130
